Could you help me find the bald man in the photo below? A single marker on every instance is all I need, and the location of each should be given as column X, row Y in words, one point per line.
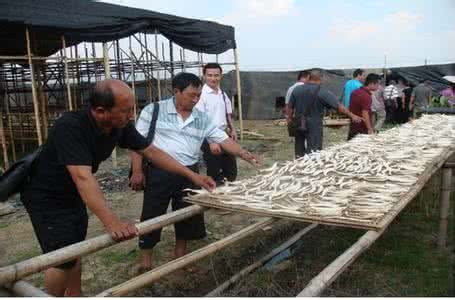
column 63, row 185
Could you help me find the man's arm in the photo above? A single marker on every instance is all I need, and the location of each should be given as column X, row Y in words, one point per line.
column 137, row 179
column 164, row 161
column 342, row 109
column 91, row 194
column 231, row 127
column 366, row 121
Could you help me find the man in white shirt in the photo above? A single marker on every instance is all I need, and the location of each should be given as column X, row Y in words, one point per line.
column 180, row 130
column 216, row 104
column 302, row 78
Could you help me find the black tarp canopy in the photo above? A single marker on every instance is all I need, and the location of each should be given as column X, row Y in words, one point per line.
column 90, row 21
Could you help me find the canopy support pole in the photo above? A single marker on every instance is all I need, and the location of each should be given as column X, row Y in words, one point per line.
column 158, row 77
column 34, row 95
column 445, row 207
column 67, row 79
column 239, row 91
column 107, row 75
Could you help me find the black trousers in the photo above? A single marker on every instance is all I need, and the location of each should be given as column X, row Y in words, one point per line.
column 220, row 166
column 160, row 189
column 308, row 142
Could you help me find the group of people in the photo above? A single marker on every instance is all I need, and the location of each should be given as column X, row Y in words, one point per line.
column 63, row 184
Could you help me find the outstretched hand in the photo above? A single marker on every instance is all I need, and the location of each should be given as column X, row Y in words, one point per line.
column 203, row 181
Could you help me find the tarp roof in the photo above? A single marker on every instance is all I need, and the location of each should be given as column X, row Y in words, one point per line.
column 90, row 21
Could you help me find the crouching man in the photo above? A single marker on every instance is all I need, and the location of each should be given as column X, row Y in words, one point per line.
column 180, row 131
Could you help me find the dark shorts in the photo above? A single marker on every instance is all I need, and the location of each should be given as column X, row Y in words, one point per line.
column 55, row 223
column 161, row 188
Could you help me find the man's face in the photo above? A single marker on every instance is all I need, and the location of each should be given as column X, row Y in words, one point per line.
column 122, row 112
column 373, row 86
column 189, row 97
column 213, row 77
column 363, row 76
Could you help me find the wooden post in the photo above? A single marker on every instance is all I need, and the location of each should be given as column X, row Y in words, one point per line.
column 4, row 146
column 25, row 289
column 35, row 97
column 157, row 273
column 445, row 207
column 171, row 58
column 67, row 77
column 158, row 72
column 42, row 262
column 239, row 91
column 332, row 271
column 107, row 75
column 261, row 262
column 133, row 79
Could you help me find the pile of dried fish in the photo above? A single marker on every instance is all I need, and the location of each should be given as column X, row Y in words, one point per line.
column 359, row 181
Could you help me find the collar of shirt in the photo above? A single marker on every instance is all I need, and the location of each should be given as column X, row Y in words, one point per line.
column 96, row 129
column 172, row 110
column 366, row 90
column 206, row 89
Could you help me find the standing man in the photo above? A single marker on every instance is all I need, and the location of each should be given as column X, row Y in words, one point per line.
column 216, row 104
column 301, row 79
column 180, row 130
column 63, row 185
column 361, row 106
column 311, row 100
column 378, row 107
column 391, row 95
column 420, row 98
column 353, row 84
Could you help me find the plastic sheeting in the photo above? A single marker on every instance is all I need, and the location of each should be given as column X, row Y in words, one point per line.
column 81, row 20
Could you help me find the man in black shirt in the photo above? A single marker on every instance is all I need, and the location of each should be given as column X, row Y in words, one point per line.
column 63, row 183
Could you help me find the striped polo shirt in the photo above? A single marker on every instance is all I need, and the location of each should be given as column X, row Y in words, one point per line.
column 180, row 139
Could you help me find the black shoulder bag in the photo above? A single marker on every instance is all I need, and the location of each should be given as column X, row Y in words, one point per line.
column 150, row 135
column 299, row 124
column 16, row 178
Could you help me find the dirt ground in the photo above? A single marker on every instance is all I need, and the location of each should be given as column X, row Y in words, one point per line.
column 404, row 262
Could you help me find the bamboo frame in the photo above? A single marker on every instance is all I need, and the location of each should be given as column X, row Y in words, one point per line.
column 446, row 188
column 155, row 274
column 317, row 285
column 239, row 91
column 42, row 262
column 67, row 79
column 4, row 146
column 35, row 98
column 24, row 289
column 245, row 271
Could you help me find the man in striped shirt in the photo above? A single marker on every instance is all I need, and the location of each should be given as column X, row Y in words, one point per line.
column 180, row 131
column 390, row 98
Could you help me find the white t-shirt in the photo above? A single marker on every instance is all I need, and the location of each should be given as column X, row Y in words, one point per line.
column 213, row 104
column 289, row 92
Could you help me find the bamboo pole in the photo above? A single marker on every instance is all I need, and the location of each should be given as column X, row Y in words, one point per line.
column 158, row 72
column 157, row 273
column 319, row 283
column 35, row 98
column 67, row 77
column 4, row 146
column 107, row 75
column 42, row 262
column 239, row 91
column 24, row 289
column 133, row 80
column 261, row 262
column 445, row 207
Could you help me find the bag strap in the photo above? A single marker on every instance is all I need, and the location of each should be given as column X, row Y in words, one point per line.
column 316, row 96
column 151, row 133
column 225, row 106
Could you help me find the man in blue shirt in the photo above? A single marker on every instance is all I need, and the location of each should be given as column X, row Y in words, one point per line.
column 352, row 85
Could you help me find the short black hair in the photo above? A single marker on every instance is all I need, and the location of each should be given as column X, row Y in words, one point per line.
column 303, row 74
column 372, row 78
column 212, row 66
column 101, row 97
column 182, row 80
column 358, row 72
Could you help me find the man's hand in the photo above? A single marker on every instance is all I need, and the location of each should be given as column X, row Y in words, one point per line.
column 233, row 135
column 120, row 230
column 204, row 181
column 215, row 148
column 247, row 156
column 356, row 119
column 137, row 181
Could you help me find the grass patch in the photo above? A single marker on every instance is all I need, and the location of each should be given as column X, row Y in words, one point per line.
column 111, row 257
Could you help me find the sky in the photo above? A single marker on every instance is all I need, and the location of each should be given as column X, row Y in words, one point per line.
column 280, row 35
